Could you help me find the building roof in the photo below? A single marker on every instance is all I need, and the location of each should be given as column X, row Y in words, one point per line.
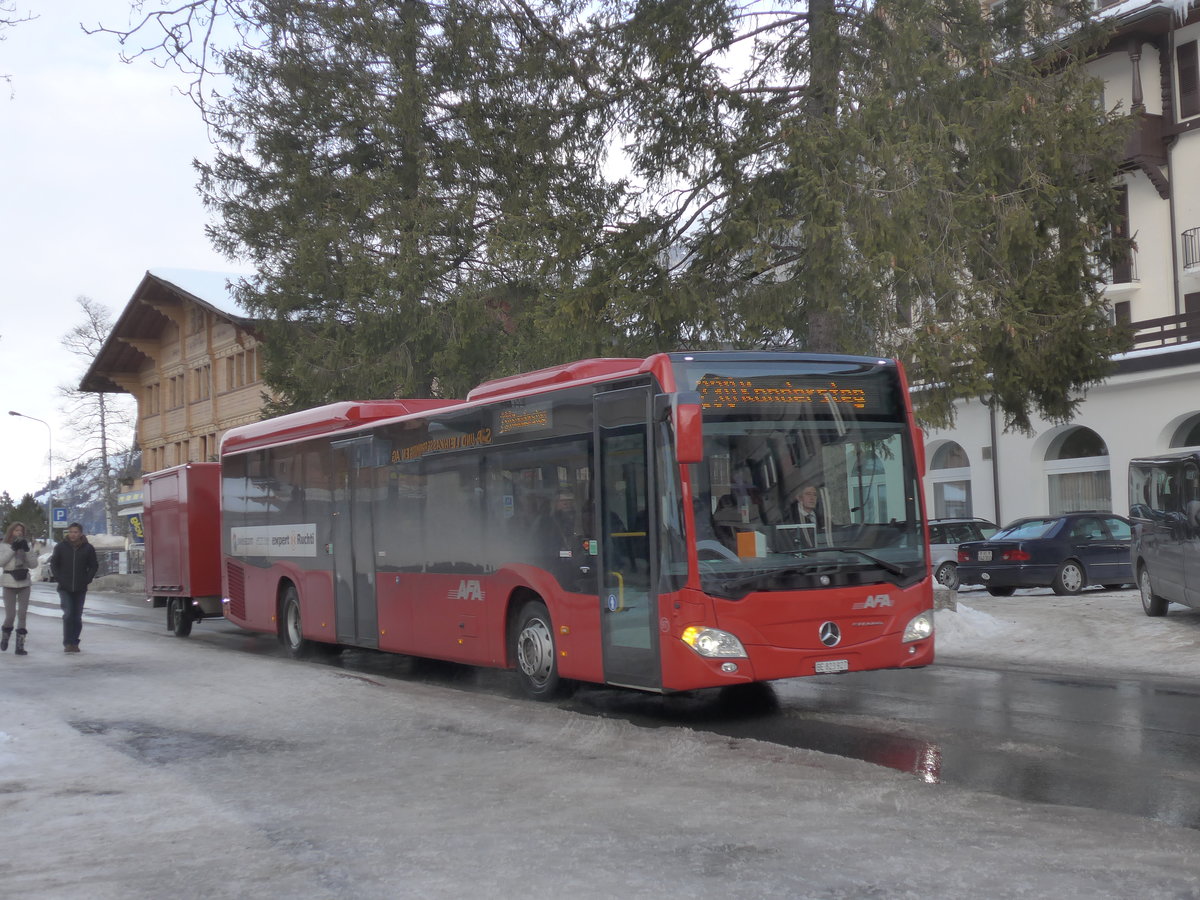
column 1151, row 16
column 160, row 299
column 211, row 288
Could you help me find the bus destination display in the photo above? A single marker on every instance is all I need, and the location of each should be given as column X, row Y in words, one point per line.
column 746, row 391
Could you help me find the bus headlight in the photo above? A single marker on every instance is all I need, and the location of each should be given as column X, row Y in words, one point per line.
column 919, row 628
column 712, row 641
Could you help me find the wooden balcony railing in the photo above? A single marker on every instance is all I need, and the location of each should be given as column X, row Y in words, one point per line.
column 1165, row 331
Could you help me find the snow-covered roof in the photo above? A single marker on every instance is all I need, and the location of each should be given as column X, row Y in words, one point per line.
column 214, row 288
column 1125, row 8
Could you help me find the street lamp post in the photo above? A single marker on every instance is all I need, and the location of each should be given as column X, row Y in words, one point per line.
column 50, row 465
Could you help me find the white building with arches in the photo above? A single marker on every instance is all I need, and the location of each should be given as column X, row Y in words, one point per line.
column 1151, row 403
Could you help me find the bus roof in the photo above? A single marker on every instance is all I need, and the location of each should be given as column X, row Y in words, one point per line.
column 554, row 376
column 332, row 417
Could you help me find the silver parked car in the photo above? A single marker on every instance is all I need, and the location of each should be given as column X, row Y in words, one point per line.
column 944, row 537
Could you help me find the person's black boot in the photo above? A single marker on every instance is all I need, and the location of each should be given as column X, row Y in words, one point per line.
column 21, row 632
column 4, row 640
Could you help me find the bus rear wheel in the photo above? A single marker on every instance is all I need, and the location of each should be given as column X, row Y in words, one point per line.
column 291, row 631
column 532, row 648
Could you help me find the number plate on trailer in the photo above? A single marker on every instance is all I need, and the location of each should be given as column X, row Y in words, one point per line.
column 826, row 666
column 985, row 555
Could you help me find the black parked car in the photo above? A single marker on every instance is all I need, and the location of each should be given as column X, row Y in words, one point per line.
column 1066, row 553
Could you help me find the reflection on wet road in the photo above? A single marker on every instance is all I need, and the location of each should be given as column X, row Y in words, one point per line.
column 1124, row 745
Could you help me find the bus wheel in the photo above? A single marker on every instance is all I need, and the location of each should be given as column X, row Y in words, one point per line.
column 179, row 616
column 1152, row 603
column 291, row 634
column 533, row 649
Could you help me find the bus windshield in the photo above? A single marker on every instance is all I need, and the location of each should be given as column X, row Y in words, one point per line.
column 808, row 478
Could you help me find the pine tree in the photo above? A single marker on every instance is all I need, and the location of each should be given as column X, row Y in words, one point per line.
column 419, row 187
column 32, row 513
column 402, row 176
column 919, row 178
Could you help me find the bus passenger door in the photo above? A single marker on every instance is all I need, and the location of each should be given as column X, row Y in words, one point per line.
column 625, row 521
column 354, row 544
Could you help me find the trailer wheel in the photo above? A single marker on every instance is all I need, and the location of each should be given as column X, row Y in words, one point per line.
column 179, row 616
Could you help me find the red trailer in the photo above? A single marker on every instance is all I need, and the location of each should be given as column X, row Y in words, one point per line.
column 183, row 543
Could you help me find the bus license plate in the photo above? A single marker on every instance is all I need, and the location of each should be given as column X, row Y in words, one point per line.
column 827, row 666
column 985, row 555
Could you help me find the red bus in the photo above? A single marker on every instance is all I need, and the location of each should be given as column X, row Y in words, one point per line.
column 685, row 521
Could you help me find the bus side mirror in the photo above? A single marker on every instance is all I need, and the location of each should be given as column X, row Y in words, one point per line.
column 689, row 431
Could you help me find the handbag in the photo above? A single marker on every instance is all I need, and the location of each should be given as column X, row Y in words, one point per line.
column 19, row 574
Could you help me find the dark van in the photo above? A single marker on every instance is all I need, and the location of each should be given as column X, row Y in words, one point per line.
column 1164, row 504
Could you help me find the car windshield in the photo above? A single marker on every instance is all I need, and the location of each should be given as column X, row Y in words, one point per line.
column 804, row 494
column 1026, row 529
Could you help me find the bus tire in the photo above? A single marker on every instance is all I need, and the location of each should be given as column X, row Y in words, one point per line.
column 291, row 631
column 179, row 617
column 532, row 650
column 1152, row 603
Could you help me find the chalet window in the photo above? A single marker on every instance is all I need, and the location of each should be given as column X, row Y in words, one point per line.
column 1189, row 80
column 201, row 376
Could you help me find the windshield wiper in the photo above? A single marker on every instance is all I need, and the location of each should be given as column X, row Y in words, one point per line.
column 758, row 574
column 807, row 565
column 896, row 570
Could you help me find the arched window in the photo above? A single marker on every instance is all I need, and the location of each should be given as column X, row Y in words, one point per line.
column 1077, row 472
column 1078, row 443
column 1187, row 434
column 950, row 478
column 949, row 456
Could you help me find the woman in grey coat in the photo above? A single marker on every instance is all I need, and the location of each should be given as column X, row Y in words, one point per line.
column 17, row 563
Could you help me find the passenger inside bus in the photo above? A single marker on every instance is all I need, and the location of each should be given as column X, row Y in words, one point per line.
column 558, row 535
column 557, row 531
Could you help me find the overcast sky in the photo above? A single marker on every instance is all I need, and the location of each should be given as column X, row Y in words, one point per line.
column 98, row 187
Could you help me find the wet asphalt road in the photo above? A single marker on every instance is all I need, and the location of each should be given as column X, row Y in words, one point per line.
column 1126, row 745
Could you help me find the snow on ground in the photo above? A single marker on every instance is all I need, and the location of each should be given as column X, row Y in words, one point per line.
column 150, row 767
column 1101, row 631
